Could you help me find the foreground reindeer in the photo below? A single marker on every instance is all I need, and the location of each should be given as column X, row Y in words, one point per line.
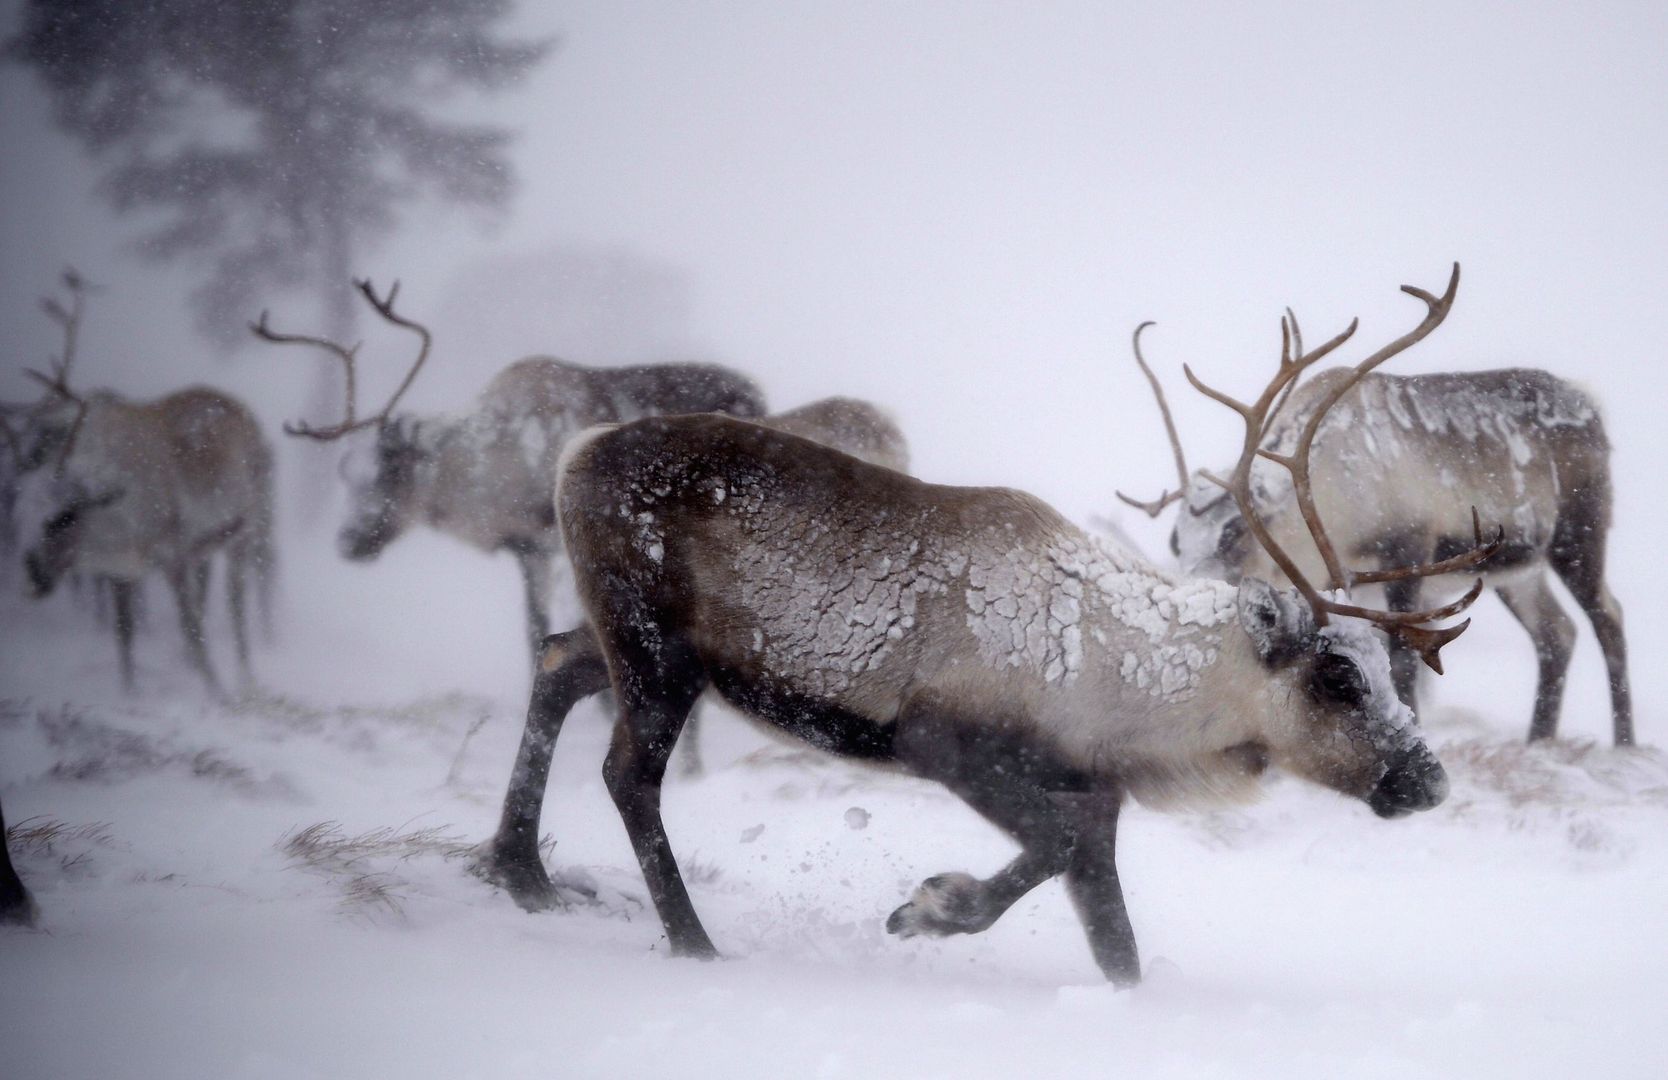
column 968, row 635
column 17, row 907
column 1521, row 446
column 486, row 477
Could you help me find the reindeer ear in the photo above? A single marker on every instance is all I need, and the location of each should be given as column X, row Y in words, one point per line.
column 1279, row 624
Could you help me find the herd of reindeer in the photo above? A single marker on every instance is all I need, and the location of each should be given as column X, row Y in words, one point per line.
column 970, row 636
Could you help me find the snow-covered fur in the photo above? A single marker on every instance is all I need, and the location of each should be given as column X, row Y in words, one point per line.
column 161, row 487
column 970, row 635
column 1396, row 466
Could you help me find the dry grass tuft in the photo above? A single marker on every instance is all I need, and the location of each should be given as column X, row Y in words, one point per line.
column 326, row 849
column 1557, row 773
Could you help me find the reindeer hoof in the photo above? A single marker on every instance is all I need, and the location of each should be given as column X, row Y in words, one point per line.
column 943, row 904
column 524, row 878
column 696, row 950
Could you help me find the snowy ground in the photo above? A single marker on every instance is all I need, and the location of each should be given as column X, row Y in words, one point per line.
column 281, row 890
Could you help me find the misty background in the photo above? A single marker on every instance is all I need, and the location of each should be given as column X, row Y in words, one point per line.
column 961, row 211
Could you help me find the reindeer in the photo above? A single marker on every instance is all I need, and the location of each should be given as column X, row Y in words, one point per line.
column 17, row 907
column 849, row 425
column 1522, row 446
column 485, row 478
column 970, row 636
column 155, row 486
column 162, row 486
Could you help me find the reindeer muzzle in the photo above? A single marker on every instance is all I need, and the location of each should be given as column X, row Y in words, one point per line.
column 1415, row 781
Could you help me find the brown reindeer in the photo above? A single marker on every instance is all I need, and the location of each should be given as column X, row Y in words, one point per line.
column 163, row 486
column 153, row 486
column 1523, row 447
column 968, row 635
column 485, row 477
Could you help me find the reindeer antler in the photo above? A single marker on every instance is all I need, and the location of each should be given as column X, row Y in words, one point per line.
column 383, row 306
column 1427, row 641
column 57, row 384
column 1156, row 506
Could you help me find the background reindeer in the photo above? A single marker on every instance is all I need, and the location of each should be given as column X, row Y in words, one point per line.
column 485, row 477
column 156, row 486
column 968, row 635
column 1521, row 446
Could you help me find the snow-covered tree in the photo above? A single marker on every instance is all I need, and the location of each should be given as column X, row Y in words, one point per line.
column 273, row 143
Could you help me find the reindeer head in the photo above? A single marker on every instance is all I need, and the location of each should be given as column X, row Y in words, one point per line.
column 1336, row 719
column 383, row 482
column 55, row 553
column 1210, row 538
column 382, row 485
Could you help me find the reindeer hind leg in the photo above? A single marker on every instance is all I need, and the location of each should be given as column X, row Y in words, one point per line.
column 1577, row 554
column 187, row 597
column 1533, row 604
column 122, row 597
column 657, row 683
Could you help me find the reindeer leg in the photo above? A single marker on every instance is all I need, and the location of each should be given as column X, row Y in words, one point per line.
column 122, row 595
column 1533, row 605
column 1401, row 596
column 1092, row 883
column 237, row 564
column 16, row 906
column 657, row 684
column 183, row 580
column 1577, row 554
column 571, row 669
column 689, row 745
column 535, row 584
column 1063, row 822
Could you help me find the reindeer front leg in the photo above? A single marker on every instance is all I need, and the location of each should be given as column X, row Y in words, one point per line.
column 188, row 596
column 1062, row 825
column 1092, row 883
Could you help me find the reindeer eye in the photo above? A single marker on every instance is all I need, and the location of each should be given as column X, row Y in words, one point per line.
column 1233, row 531
column 1338, row 678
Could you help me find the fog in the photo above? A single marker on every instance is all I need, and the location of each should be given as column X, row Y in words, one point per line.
column 961, row 211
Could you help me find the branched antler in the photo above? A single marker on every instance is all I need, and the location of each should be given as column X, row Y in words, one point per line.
column 1427, row 641
column 1156, row 506
column 383, row 306
column 57, row 383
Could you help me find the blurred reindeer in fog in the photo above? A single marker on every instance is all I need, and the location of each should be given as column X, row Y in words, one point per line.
column 154, row 486
column 486, row 477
